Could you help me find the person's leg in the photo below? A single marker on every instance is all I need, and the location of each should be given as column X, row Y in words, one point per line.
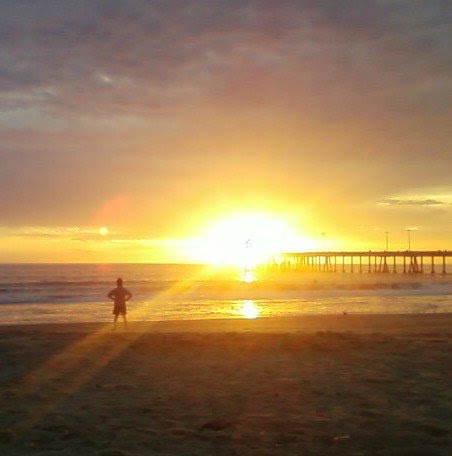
column 125, row 320
column 115, row 320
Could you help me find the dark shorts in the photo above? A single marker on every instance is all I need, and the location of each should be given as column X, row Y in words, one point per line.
column 119, row 308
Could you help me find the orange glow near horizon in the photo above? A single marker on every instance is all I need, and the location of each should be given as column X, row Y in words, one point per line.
column 241, row 239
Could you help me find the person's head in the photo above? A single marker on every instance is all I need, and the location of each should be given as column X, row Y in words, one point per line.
column 119, row 282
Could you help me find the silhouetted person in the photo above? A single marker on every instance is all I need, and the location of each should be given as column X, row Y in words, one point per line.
column 120, row 296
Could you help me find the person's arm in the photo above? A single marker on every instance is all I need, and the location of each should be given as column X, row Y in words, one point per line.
column 111, row 295
column 128, row 295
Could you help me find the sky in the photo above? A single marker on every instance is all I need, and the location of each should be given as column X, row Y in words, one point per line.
column 127, row 127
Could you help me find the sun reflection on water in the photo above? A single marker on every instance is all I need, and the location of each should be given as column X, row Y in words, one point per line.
column 249, row 309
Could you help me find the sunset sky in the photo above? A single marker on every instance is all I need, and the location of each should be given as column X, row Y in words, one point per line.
column 130, row 129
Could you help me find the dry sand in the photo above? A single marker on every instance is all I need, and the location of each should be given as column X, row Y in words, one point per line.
column 322, row 385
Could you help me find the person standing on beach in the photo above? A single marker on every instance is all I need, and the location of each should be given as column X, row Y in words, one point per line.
column 119, row 296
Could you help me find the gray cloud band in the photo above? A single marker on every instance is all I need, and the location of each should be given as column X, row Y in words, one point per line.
column 148, row 57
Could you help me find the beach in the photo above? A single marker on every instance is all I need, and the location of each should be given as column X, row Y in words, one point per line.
column 225, row 228
column 314, row 384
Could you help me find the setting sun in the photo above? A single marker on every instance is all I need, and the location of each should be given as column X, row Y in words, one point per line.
column 246, row 240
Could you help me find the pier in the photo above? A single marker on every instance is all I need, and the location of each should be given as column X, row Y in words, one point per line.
column 385, row 262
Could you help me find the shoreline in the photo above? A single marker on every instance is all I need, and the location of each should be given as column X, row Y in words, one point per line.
column 360, row 323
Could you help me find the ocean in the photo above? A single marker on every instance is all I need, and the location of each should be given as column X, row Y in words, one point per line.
column 61, row 293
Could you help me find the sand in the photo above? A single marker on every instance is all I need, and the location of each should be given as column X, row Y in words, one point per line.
column 348, row 384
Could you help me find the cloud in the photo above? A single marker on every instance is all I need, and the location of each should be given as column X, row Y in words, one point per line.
column 151, row 58
column 87, row 234
column 81, row 233
column 411, row 202
column 191, row 104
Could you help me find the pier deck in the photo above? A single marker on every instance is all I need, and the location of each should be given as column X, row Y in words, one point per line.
column 406, row 262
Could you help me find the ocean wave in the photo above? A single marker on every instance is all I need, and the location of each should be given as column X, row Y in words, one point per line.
column 62, row 284
column 47, row 300
column 66, row 283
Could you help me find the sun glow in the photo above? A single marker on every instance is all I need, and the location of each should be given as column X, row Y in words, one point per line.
column 246, row 240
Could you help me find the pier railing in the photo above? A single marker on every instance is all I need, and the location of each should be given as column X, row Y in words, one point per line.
column 406, row 262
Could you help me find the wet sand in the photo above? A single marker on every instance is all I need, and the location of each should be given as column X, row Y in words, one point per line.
column 336, row 384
